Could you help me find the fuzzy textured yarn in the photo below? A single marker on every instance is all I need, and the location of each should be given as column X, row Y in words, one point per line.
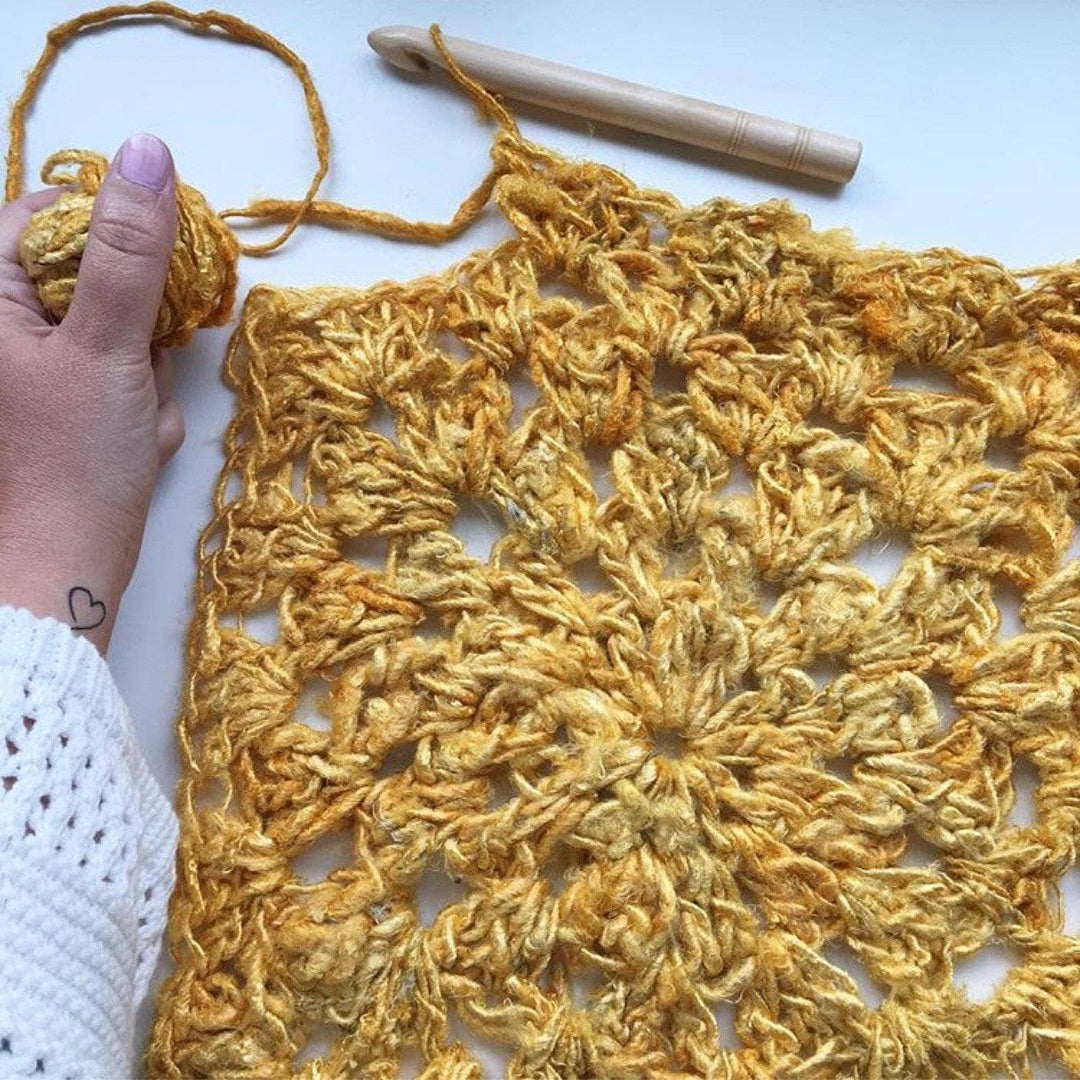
column 670, row 745
column 201, row 283
column 671, row 751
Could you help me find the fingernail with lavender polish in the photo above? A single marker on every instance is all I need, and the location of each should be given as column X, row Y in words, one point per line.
column 146, row 161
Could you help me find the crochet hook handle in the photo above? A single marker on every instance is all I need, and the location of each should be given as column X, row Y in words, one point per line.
column 641, row 108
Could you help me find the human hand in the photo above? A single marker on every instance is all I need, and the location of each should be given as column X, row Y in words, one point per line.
column 86, row 414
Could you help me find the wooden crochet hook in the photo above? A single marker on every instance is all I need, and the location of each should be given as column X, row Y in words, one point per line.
column 641, row 108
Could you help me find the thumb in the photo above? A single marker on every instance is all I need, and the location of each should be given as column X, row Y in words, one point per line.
column 123, row 269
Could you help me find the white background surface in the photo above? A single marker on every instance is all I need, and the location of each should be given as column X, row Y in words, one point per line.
column 968, row 113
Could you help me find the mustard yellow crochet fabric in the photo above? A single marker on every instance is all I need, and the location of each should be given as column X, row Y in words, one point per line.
column 634, row 795
column 669, row 749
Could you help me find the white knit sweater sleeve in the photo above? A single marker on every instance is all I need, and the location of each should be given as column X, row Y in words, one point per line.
column 87, row 843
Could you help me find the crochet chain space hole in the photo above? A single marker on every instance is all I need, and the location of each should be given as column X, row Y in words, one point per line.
column 585, row 984
column 1069, row 891
column 559, row 870
column 918, row 853
column 589, row 576
column 449, row 343
column 881, row 557
column 923, row 378
column 435, row 891
column 234, row 487
column 667, row 742
column 523, row 393
column 982, row 972
column 739, row 481
column 262, row 623
column 310, row 705
column 1005, row 452
column 381, row 420
column 323, row 856
column 1073, row 550
column 304, row 484
column 824, row 670
column 478, row 526
column 552, row 287
column 944, row 700
column 598, row 459
column 1025, row 784
column 724, row 1015
column 668, row 378
column 430, row 628
column 210, row 794
column 1007, row 600
column 397, row 760
column 501, row 788
column 320, row 1041
column 819, row 419
column 367, row 551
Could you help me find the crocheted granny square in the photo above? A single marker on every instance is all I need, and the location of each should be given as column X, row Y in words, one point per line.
column 677, row 765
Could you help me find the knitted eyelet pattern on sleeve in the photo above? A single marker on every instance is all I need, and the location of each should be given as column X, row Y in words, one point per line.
column 87, row 843
column 665, row 784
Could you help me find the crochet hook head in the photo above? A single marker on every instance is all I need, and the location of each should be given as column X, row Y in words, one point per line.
column 397, row 45
column 641, row 108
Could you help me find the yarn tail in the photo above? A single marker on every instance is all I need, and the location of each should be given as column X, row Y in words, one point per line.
column 309, row 208
column 325, row 212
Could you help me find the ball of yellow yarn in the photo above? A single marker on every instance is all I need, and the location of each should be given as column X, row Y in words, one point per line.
column 201, row 284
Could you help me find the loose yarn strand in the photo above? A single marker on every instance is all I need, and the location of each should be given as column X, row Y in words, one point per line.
column 292, row 211
column 205, row 21
column 326, row 212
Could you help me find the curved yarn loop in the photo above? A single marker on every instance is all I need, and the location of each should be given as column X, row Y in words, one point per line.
column 292, row 211
column 202, row 276
column 235, row 28
column 338, row 214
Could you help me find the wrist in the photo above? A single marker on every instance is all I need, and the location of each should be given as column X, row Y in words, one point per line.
column 69, row 583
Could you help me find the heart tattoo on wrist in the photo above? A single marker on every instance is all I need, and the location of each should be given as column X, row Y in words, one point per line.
column 86, row 612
